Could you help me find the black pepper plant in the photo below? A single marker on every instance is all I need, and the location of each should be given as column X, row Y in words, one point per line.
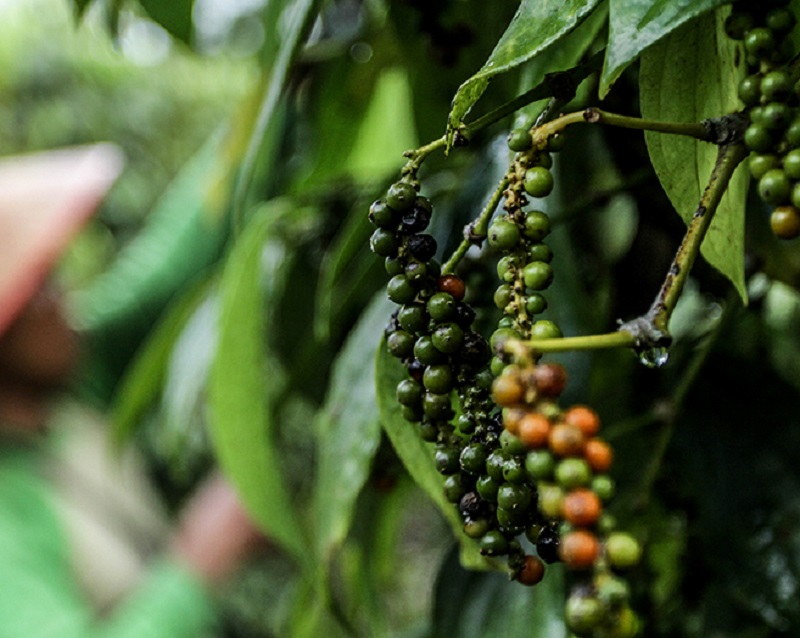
column 409, row 393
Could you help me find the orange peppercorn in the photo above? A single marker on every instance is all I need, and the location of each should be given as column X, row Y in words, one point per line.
column 507, row 390
column 566, row 440
column 599, row 455
column 579, row 549
column 583, row 417
column 532, row 571
column 581, row 507
column 453, row 285
column 533, row 430
column 512, row 418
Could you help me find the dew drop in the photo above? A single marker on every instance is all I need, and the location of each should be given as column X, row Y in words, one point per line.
column 654, row 357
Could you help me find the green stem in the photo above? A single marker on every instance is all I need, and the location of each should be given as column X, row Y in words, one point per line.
column 619, row 339
column 476, row 232
column 592, row 115
column 728, row 158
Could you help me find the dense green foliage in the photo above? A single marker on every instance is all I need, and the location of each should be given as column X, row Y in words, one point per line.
column 269, row 317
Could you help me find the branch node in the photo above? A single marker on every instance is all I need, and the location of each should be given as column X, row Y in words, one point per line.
column 728, row 129
column 645, row 333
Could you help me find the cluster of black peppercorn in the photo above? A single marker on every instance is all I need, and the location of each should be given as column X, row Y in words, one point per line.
column 771, row 95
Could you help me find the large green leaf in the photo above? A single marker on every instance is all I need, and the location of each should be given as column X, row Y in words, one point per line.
column 348, row 431
column 175, row 16
column 537, row 25
column 244, row 378
column 416, row 455
column 689, row 76
column 635, row 25
column 485, row 605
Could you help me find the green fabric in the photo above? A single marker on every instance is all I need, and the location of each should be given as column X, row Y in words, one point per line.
column 40, row 599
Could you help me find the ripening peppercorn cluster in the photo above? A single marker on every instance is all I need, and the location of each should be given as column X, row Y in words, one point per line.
column 771, row 95
column 568, row 462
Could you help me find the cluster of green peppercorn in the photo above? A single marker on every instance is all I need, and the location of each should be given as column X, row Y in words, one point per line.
column 771, row 95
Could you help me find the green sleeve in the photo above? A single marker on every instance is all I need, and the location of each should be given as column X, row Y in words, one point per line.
column 39, row 597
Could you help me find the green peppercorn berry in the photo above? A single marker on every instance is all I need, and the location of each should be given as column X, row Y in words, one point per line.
column 438, row 379
column 519, row 140
column 759, row 164
column 511, row 443
column 545, row 329
column 393, row 266
column 495, row 463
column 775, row 187
column 500, row 336
column 428, row 431
column 573, row 472
column 555, row 143
column 551, row 500
column 416, row 271
column 487, row 488
column 401, row 196
column 622, row 550
column 382, row 215
column 506, row 267
column 796, row 195
column 750, row 90
column 543, row 159
column 737, row 24
column 427, row 353
column 584, row 613
column 780, row 20
column 514, row 470
column 400, row 344
column 776, row 85
column 537, row 225
column 503, row 234
column 442, row 306
column 506, row 322
column 465, row 424
column 484, row 379
column 759, row 42
column 493, row 543
column 535, row 304
column 512, row 522
column 448, row 338
column 445, row 458
column 540, row 252
column 423, row 202
column 758, row 138
column 514, row 497
column 611, row 590
column 603, row 486
column 785, row 222
column 476, row 528
column 473, row 458
column 413, row 318
column 792, row 134
column 538, row 181
column 454, row 488
column 502, row 296
column 791, row 164
column 537, row 275
column 540, row 464
column 412, row 413
column 757, row 115
column 409, row 393
column 777, row 116
column 384, row 243
column 437, row 406
column 401, row 290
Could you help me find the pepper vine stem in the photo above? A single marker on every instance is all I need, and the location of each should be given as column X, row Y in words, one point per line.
column 476, row 231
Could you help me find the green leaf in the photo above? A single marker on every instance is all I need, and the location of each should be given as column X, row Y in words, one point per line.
column 537, row 25
column 244, row 379
column 175, row 16
column 699, row 81
column 416, row 455
column 141, row 385
column 635, row 25
column 348, row 430
column 485, row 605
